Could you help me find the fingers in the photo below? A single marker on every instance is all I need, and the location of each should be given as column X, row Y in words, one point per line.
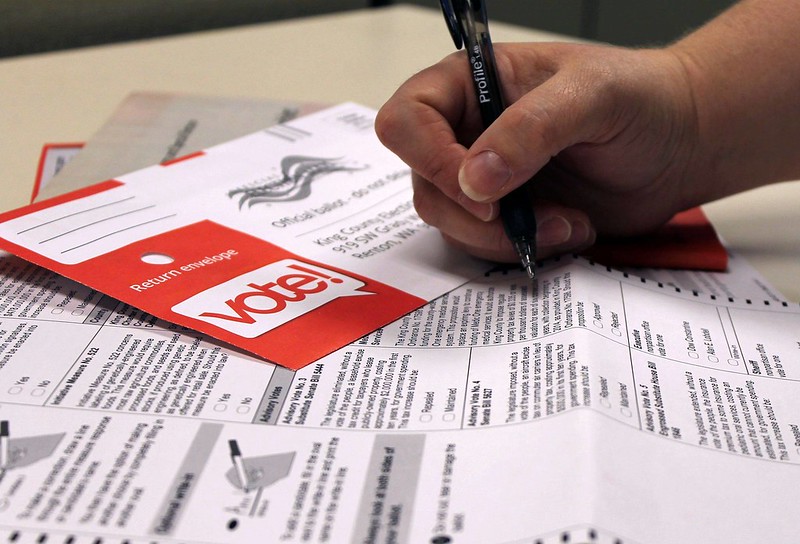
column 433, row 124
column 427, row 122
column 482, row 239
column 460, row 171
column 559, row 229
column 419, row 122
column 573, row 106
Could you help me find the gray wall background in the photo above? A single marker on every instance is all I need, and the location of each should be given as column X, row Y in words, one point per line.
column 37, row 26
column 34, row 26
column 621, row 22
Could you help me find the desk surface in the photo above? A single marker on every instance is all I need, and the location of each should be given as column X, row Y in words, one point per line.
column 359, row 56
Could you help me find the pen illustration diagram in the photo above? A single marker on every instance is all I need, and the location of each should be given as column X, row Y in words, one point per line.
column 238, row 464
column 20, row 452
column 251, row 473
column 255, row 474
column 4, row 445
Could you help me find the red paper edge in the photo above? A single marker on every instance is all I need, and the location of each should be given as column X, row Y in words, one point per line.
column 37, row 182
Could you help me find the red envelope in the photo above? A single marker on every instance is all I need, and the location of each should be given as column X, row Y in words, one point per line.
column 687, row 241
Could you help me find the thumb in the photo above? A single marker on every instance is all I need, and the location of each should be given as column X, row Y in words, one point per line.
column 555, row 115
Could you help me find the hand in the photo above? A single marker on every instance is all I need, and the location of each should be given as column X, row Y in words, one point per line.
column 618, row 126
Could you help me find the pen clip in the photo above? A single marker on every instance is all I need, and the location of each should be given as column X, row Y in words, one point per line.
column 464, row 18
column 453, row 22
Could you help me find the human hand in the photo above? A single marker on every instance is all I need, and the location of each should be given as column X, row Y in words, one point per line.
column 617, row 126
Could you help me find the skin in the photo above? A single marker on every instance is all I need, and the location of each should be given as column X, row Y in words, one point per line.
column 631, row 136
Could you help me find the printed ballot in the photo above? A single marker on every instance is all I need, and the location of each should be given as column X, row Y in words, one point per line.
column 453, row 423
column 289, row 243
column 594, row 406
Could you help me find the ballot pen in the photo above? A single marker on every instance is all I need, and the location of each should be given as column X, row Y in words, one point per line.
column 469, row 26
column 238, row 464
column 5, row 450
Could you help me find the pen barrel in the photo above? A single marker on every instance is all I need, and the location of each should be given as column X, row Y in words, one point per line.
column 480, row 55
column 474, row 28
column 515, row 210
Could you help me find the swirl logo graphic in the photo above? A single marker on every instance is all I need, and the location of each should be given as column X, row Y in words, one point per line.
column 297, row 173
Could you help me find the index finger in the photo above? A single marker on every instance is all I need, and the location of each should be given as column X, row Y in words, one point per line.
column 428, row 121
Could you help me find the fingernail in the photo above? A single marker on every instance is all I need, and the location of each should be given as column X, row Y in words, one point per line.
column 553, row 231
column 485, row 211
column 482, row 176
column 582, row 235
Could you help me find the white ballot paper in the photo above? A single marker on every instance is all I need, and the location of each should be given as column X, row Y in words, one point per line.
column 289, row 243
column 592, row 407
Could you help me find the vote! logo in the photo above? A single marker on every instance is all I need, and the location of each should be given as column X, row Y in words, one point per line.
column 263, row 299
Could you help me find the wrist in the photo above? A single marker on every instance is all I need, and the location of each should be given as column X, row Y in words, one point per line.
column 705, row 178
column 744, row 80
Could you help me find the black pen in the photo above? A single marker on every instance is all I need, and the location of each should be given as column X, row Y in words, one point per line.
column 238, row 464
column 5, row 449
column 469, row 26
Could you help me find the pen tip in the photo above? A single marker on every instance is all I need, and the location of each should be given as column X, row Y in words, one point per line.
column 530, row 271
column 525, row 250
